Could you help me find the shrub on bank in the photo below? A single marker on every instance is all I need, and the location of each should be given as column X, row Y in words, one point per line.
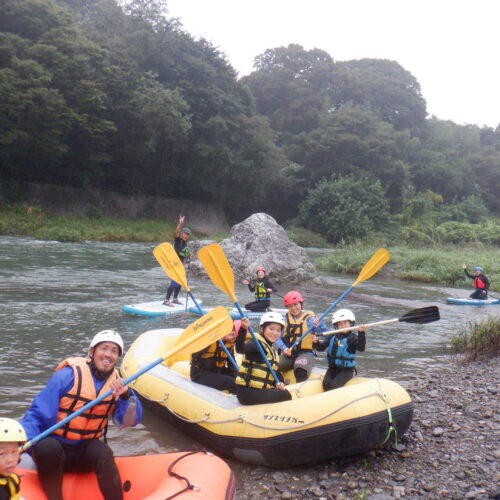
column 478, row 340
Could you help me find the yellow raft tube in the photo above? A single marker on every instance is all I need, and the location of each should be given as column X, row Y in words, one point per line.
column 314, row 426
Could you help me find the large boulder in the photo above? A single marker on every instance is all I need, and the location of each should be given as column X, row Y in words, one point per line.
column 261, row 241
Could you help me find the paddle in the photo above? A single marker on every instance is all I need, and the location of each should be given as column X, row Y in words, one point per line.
column 198, row 335
column 420, row 316
column 219, row 271
column 171, row 263
column 376, row 262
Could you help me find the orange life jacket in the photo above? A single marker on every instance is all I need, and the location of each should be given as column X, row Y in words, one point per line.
column 91, row 423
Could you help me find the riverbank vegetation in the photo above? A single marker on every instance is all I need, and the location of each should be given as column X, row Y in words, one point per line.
column 441, row 264
column 479, row 340
column 36, row 223
column 117, row 96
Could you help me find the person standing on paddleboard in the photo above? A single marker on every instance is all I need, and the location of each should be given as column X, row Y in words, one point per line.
column 480, row 282
column 181, row 235
column 77, row 445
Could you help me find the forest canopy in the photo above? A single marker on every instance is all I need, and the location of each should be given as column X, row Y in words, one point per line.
column 122, row 98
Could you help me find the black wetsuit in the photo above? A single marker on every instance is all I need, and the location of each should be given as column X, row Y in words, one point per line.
column 261, row 303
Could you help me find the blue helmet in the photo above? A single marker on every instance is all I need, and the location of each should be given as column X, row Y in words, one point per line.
column 478, row 268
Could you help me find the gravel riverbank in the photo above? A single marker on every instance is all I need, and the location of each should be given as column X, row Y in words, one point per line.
column 451, row 450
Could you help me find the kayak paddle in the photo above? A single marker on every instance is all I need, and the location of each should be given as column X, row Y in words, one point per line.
column 198, row 335
column 171, row 263
column 376, row 262
column 420, row 316
column 219, row 271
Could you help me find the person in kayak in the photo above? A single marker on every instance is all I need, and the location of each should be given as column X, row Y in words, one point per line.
column 12, row 435
column 77, row 445
column 255, row 382
column 262, row 289
column 212, row 366
column 341, row 349
column 181, row 235
column 480, row 282
column 298, row 321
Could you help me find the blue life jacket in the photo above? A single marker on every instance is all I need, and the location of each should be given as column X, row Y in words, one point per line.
column 338, row 354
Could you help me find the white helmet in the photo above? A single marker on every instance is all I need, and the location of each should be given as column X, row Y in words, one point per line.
column 107, row 336
column 11, row 431
column 272, row 317
column 343, row 315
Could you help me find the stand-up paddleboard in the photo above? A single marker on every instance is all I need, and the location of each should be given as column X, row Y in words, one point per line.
column 472, row 302
column 233, row 312
column 158, row 308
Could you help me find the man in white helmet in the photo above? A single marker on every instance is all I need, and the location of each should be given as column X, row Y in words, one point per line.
column 77, row 446
column 341, row 349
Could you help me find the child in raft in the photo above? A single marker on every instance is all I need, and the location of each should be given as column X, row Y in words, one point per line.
column 255, row 382
column 12, row 435
column 212, row 366
column 298, row 322
column 262, row 289
column 341, row 349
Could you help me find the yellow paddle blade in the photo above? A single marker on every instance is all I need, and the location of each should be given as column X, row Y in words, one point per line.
column 377, row 261
column 203, row 332
column 218, row 269
column 169, row 261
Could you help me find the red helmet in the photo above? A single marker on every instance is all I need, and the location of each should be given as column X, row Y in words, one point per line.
column 260, row 269
column 236, row 325
column 292, row 298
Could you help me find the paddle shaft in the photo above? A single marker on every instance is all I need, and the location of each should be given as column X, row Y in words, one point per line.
column 329, row 308
column 221, row 343
column 221, row 274
column 92, row 403
column 351, row 328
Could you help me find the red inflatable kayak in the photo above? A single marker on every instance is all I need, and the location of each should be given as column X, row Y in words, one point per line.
column 197, row 474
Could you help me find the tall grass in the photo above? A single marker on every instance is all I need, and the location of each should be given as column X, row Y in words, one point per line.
column 437, row 265
column 34, row 222
column 478, row 340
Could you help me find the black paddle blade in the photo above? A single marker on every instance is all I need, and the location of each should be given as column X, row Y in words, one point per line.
column 422, row 315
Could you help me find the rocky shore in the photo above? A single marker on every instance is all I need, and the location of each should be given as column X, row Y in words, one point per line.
column 451, row 450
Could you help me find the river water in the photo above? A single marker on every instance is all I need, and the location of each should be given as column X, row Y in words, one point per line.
column 56, row 296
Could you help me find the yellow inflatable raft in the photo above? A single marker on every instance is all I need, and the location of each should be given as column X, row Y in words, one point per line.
column 314, row 426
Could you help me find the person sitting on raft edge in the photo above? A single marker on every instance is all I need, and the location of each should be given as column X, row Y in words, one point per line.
column 298, row 322
column 212, row 367
column 480, row 282
column 341, row 349
column 12, row 436
column 255, row 382
column 77, row 446
column 262, row 289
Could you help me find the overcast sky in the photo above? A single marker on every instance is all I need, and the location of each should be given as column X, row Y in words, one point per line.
column 452, row 47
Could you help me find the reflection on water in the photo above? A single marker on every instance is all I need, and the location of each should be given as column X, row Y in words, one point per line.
column 56, row 296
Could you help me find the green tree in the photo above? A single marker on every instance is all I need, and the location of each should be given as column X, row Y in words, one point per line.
column 345, row 208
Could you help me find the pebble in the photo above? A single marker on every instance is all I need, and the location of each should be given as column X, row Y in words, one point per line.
column 450, row 451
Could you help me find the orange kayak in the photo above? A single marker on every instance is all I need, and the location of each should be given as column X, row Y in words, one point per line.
column 197, row 474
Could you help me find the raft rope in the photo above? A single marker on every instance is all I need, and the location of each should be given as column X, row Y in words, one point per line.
column 391, row 429
column 188, row 486
column 244, row 419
